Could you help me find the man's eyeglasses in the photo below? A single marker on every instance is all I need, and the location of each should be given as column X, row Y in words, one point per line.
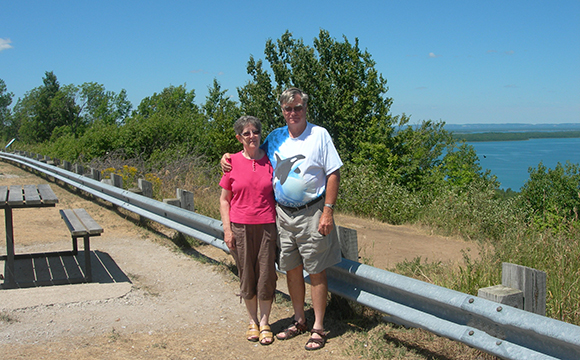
column 250, row 133
column 297, row 108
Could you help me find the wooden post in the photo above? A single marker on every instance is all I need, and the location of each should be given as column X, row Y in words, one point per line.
column 503, row 295
column 530, row 281
column 172, row 201
column 521, row 287
column 185, row 199
column 117, row 180
column 79, row 169
column 66, row 165
column 146, row 187
column 348, row 243
column 95, row 174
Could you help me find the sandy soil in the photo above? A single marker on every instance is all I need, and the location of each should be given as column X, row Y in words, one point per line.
column 162, row 303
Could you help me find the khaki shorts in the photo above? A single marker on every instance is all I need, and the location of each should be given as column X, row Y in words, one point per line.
column 300, row 243
column 255, row 256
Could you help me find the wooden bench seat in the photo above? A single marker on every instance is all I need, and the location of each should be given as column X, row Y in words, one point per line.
column 81, row 224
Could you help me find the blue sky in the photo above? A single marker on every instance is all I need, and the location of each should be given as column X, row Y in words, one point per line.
column 462, row 62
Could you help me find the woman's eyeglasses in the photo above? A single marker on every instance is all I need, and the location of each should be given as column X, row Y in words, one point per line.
column 250, row 133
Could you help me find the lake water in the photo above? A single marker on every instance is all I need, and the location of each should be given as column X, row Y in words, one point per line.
column 510, row 160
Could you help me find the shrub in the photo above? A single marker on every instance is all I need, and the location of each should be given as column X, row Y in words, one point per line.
column 364, row 192
column 554, row 197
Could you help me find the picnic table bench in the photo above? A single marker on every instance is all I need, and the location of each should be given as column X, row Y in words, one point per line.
column 81, row 224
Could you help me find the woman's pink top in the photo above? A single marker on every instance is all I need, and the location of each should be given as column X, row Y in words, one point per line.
column 250, row 182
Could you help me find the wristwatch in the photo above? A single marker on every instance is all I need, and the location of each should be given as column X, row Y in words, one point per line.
column 329, row 205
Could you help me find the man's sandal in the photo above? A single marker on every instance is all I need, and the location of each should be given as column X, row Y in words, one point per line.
column 253, row 333
column 320, row 342
column 266, row 334
column 293, row 330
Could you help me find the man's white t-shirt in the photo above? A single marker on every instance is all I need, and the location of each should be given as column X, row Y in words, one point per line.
column 301, row 164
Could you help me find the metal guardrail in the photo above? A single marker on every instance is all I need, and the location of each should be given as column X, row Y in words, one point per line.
column 497, row 329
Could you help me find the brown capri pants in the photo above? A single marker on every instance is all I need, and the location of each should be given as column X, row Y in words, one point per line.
column 255, row 256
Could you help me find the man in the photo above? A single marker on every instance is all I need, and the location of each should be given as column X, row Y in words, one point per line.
column 306, row 180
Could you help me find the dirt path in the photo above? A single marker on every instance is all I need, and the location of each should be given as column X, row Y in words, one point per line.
column 166, row 305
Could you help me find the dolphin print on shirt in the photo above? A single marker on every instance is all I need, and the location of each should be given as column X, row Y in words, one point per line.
column 284, row 167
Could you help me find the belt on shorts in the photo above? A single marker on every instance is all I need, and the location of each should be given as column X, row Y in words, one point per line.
column 297, row 208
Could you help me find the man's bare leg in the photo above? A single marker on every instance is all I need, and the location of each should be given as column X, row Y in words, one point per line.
column 297, row 290
column 319, row 292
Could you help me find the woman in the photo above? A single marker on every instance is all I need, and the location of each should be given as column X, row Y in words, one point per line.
column 248, row 212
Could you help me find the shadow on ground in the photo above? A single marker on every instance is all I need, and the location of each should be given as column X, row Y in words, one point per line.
column 54, row 269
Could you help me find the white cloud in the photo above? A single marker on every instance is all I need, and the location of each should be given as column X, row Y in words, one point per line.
column 5, row 44
column 433, row 55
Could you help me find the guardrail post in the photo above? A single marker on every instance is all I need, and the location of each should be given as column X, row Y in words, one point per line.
column 521, row 287
column 95, row 174
column 79, row 169
column 348, row 243
column 66, row 165
column 117, row 180
column 146, row 187
column 185, row 199
column 530, row 281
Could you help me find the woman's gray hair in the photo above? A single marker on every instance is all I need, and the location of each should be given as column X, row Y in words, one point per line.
column 288, row 96
column 243, row 121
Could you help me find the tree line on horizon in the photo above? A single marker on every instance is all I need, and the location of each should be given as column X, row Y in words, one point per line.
column 516, row 136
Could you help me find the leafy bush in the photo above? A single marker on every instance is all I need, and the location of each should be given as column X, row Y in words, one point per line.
column 473, row 212
column 554, row 197
column 363, row 191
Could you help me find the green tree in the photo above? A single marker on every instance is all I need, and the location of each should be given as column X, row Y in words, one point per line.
column 258, row 98
column 6, row 122
column 97, row 104
column 347, row 93
column 168, row 120
column 82, row 106
column 460, row 166
column 220, row 115
column 553, row 195
column 42, row 109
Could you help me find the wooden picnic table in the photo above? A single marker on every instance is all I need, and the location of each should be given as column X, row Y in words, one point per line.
column 20, row 197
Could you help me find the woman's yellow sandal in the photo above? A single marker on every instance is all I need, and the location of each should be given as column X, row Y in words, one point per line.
column 253, row 333
column 266, row 334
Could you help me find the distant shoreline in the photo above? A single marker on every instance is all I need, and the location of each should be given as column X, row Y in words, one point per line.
column 515, row 136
